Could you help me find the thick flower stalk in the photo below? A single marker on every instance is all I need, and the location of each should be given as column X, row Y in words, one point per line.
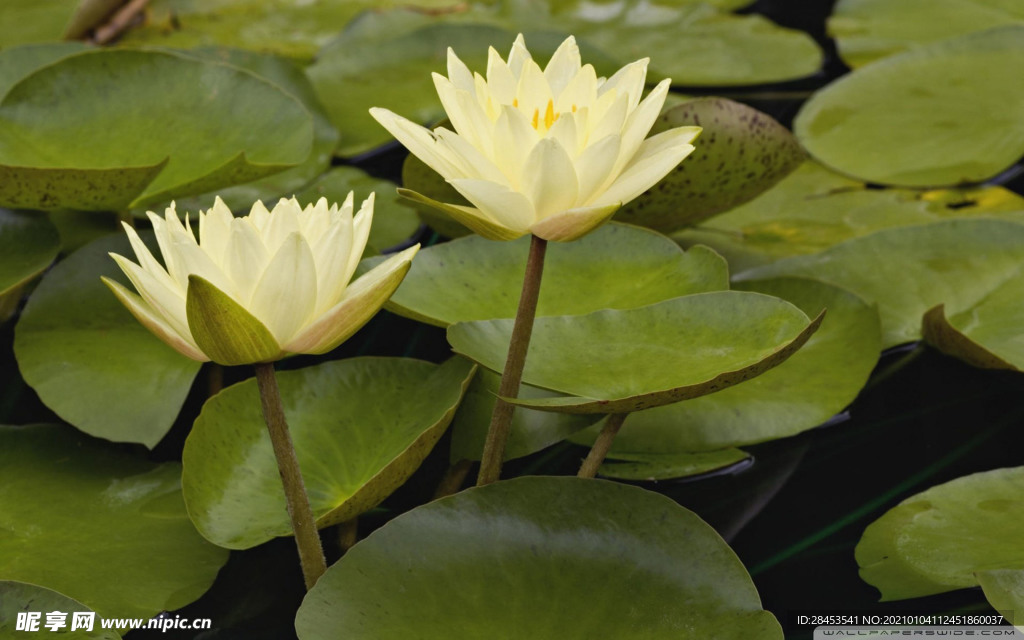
column 255, row 289
column 552, row 152
column 260, row 287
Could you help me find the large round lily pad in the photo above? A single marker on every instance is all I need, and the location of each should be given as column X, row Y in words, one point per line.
column 99, row 526
column 617, row 361
column 18, row 62
column 540, row 558
column 28, row 244
column 944, row 114
column 617, row 266
column 29, row 21
column 360, row 427
column 90, row 361
column 908, row 271
column 20, row 597
column 817, row 382
column 866, row 30
column 740, row 153
column 813, row 209
column 937, row 540
column 651, row 467
column 216, row 125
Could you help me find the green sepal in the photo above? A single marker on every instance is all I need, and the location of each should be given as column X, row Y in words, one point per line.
column 224, row 330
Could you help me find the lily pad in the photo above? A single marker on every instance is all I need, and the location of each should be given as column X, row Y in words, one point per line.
column 741, row 152
column 541, row 558
column 651, row 467
column 937, row 540
column 816, row 383
column 18, row 62
column 17, row 597
column 102, row 527
column 907, row 271
column 291, row 79
column 1004, row 589
column 361, row 427
column 109, row 100
column 866, row 30
column 813, row 209
column 531, row 430
column 650, row 356
column 940, row 115
column 90, row 361
column 986, row 335
column 30, row 21
column 617, row 266
column 282, row 27
column 28, row 244
column 394, row 223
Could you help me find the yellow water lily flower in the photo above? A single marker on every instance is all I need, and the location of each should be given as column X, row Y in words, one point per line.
column 259, row 287
column 551, row 152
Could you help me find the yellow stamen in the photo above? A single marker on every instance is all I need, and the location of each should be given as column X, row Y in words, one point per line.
column 549, row 115
column 515, row 102
column 536, row 113
column 574, row 108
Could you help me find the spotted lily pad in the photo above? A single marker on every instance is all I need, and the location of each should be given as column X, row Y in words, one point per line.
column 813, row 209
column 740, row 153
column 816, row 383
column 617, row 266
column 937, row 540
column 360, row 427
column 1004, row 589
column 108, row 101
column 910, row 270
column 99, row 526
column 667, row 466
column 20, row 597
column 866, row 30
column 650, row 356
column 540, row 558
column 940, row 115
column 393, row 222
column 90, row 361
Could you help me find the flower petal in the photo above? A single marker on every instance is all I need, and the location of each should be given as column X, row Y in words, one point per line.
column 166, row 302
column 594, row 166
column 285, row 296
column 362, row 300
column 458, row 72
column 572, row 224
column 419, row 141
column 500, row 81
column 657, row 156
column 152, row 321
column 214, row 228
column 479, row 164
column 563, row 66
column 246, row 258
column 630, row 80
column 224, row 330
column 640, row 121
column 549, row 179
column 473, row 219
column 505, row 206
column 518, row 56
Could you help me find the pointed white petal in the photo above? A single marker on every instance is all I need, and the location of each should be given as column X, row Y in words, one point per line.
column 630, row 80
column 657, row 156
column 581, row 90
column 515, row 138
column 549, row 179
column 360, row 235
column 510, row 209
column 458, row 72
column 574, row 223
column 284, row 221
column 500, row 81
column 214, row 228
column 533, row 91
column 518, row 56
column 565, row 132
column 167, row 303
column 594, row 167
column 246, row 259
column 639, row 123
column 563, row 66
column 610, row 119
column 479, row 165
column 419, row 141
column 286, row 294
column 154, row 322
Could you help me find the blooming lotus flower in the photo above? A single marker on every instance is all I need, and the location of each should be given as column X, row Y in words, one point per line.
column 259, row 287
column 551, row 152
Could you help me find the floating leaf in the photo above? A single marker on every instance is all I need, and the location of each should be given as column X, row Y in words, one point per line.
column 107, row 529
column 16, row 597
column 531, row 430
column 617, row 266
column 654, row 355
column 30, row 21
column 540, row 558
column 360, row 427
column 28, row 244
column 937, row 540
column 986, row 335
column 1004, row 589
column 667, row 466
column 393, row 222
column 908, row 271
column 90, row 361
column 816, row 383
column 740, row 153
column 813, row 209
column 18, row 62
column 866, row 30
column 289, row 77
column 943, row 114
column 108, row 101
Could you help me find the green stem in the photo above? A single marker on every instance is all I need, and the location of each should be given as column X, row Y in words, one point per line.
column 348, row 534
column 214, row 379
column 501, row 419
column 602, row 445
column 311, row 553
column 453, row 479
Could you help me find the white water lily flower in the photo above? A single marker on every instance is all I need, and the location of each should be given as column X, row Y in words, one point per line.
column 551, row 152
column 260, row 287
